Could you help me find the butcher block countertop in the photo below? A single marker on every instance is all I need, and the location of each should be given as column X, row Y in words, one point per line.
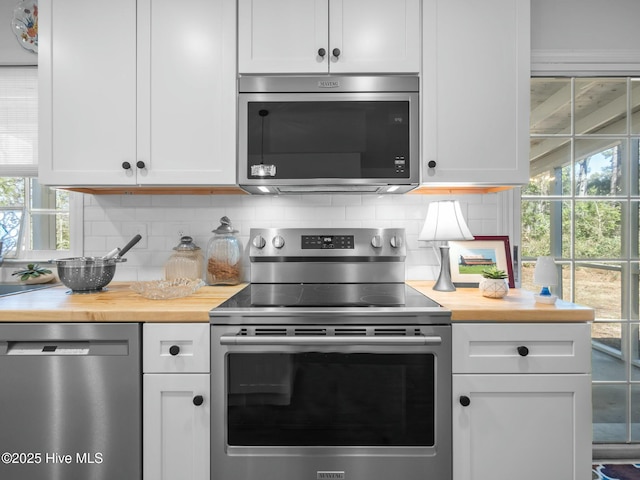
column 120, row 304
column 117, row 304
column 468, row 304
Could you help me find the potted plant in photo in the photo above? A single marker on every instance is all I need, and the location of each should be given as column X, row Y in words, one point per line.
column 494, row 283
column 34, row 273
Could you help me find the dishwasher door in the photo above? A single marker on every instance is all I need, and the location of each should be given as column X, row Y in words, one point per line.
column 70, row 401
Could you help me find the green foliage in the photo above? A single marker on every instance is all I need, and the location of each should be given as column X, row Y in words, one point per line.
column 598, row 223
column 33, row 270
column 494, row 273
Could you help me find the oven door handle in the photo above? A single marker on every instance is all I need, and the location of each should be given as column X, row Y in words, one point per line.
column 420, row 340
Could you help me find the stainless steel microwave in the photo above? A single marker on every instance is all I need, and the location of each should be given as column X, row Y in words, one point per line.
column 303, row 134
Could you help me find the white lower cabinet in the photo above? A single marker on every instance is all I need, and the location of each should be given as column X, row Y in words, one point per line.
column 176, row 402
column 176, row 426
column 530, row 417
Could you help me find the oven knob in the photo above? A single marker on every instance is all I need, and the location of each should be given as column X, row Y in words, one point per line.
column 259, row 241
column 278, row 241
column 376, row 241
column 396, row 242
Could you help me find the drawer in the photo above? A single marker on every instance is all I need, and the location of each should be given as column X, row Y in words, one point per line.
column 521, row 348
column 175, row 348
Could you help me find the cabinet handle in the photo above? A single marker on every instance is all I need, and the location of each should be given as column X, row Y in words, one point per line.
column 174, row 350
column 432, row 164
column 126, row 165
column 140, row 164
column 322, row 52
column 336, row 52
column 523, row 351
column 465, row 401
column 198, row 400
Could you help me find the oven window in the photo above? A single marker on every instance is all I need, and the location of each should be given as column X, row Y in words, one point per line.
column 316, row 399
column 330, row 139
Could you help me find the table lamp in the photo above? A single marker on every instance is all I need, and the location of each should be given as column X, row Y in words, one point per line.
column 545, row 274
column 444, row 222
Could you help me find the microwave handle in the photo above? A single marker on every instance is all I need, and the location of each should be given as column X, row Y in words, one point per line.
column 417, row 340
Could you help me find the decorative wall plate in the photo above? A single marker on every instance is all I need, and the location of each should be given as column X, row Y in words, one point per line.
column 25, row 24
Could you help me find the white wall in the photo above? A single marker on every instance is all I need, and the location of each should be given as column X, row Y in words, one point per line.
column 585, row 36
column 110, row 221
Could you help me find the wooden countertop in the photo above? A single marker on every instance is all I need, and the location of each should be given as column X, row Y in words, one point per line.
column 117, row 304
column 467, row 304
column 120, row 304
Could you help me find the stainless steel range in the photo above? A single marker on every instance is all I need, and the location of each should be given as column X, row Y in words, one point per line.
column 327, row 366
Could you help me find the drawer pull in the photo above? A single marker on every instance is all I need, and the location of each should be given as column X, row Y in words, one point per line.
column 523, row 351
column 198, row 400
column 174, row 350
column 465, row 401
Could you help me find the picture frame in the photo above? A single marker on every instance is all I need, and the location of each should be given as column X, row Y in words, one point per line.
column 468, row 258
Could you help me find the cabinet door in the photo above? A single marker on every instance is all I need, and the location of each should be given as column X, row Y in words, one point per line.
column 476, row 91
column 283, row 36
column 375, row 36
column 522, row 426
column 186, row 92
column 176, row 431
column 87, row 77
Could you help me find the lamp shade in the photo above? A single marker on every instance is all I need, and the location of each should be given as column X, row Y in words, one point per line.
column 545, row 272
column 445, row 222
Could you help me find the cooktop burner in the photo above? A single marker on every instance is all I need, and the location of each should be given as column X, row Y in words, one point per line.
column 316, row 295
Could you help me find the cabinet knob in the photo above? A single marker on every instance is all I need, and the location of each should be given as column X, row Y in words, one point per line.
column 174, row 350
column 126, row 165
column 432, row 164
column 336, row 52
column 465, row 401
column 322, row 52
column 198, row 400
column 523, row 351
column 140, row 164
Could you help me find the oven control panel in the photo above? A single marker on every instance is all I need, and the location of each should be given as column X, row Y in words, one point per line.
column 321, row 242
column 349, row 244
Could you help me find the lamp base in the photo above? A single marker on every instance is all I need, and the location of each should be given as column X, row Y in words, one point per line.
column 444, row 283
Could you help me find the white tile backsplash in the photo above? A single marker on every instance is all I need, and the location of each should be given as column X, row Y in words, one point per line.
column 111, row 220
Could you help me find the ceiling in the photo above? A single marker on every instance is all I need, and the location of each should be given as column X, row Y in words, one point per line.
column 600, row 109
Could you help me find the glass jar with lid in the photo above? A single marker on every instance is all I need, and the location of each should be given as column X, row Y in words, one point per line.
column 185, row 262
column 223, row 256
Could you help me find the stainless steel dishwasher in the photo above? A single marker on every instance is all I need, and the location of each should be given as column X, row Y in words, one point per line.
column 70, row 401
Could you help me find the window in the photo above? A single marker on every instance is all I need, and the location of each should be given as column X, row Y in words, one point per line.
column 581, row 207
column 35, row 220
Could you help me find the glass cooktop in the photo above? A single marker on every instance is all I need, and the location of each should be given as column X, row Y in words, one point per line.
column 327, row 295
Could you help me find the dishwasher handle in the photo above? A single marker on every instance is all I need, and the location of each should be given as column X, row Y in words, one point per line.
column 64, row 347
column 312, row 340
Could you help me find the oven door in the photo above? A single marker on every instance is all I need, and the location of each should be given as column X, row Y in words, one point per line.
column 361, row 403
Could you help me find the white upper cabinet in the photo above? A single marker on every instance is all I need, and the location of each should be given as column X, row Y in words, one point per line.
column 134, row 98
column 475, row 92
column 329, row 36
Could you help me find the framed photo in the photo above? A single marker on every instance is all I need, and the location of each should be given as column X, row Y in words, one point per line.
column 468, row 258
